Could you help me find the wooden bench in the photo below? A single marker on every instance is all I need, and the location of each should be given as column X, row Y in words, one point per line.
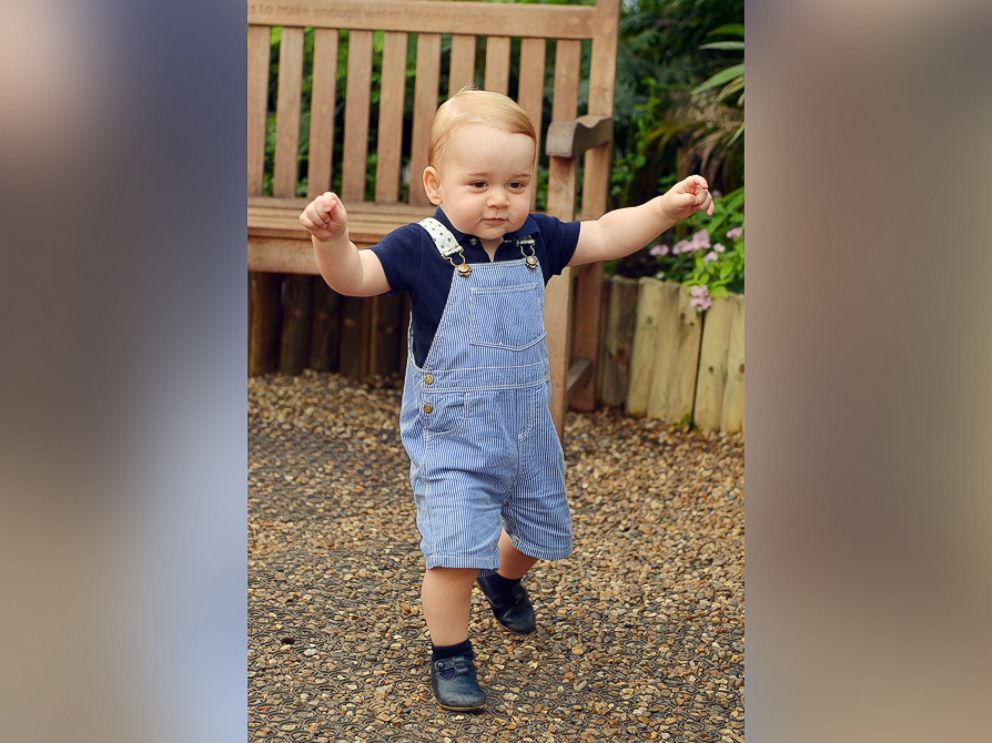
column 277, row 244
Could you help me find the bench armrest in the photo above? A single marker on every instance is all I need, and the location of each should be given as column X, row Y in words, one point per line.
column 571, row 138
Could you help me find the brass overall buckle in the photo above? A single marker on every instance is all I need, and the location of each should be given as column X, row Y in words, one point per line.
column 530, row 259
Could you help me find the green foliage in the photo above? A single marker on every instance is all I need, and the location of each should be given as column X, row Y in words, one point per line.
column 678, row 109
column 667, row 49
column 726, row 273
column 699, row 251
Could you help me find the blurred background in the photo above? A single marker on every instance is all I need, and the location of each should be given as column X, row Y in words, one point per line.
column 123, row 297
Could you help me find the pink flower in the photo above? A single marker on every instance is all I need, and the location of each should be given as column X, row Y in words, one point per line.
column 701, row 298
column 734, row 232
column 710, row 257
column 683, row 246
column 719, row 248
column 701, row 240
column 659, row 250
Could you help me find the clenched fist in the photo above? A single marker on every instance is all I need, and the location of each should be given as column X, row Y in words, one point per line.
column 687, row 197
column 325, row 217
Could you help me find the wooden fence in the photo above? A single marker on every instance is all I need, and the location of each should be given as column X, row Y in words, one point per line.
column 659, row 357
column 663, row 359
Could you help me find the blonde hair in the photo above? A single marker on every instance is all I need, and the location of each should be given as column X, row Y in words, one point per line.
column 469, row 106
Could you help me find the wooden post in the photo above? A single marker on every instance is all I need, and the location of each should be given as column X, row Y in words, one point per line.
column 642, row 357
column 295, row 342
column 619, row 324
column 561, row 204
column 384, row 353
column 732, row 411
column 712, row 378
column 265, row 318
column 326, row 327
column 589, row 290
column 676, row 356
column 355, row 317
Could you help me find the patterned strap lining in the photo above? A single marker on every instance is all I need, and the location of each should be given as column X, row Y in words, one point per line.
column 445, row 242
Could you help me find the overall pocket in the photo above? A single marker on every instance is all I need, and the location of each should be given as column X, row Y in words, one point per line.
column 510, row 317
column 443, row 413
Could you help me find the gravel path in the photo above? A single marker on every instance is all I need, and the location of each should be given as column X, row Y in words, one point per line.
column 640, row 632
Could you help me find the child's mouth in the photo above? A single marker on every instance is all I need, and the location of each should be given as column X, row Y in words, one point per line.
column 493, row 220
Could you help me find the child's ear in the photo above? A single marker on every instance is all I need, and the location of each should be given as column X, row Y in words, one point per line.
column 432, row 185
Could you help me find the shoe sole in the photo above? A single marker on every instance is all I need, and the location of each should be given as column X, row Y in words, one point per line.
column 515, row 631
column 461, row 709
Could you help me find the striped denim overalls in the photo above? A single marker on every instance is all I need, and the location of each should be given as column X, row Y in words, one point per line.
column 475, row 419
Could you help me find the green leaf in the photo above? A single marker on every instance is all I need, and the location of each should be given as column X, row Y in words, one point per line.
column 738, row 133
column 733, row 86
column 730, row 29
column 719, row 292
column 739, row 45
column 720, row 78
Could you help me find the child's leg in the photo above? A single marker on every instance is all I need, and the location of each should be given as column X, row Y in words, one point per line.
column 446, row 596
column 512, row 562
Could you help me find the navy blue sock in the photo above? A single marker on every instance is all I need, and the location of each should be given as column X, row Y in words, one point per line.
column 446, row 651
column 500, row 582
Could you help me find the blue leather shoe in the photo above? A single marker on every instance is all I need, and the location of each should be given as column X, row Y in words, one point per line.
column 511, row 605
column 455, row 685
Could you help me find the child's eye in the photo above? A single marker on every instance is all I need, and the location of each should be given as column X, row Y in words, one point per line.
column 517, row 186
column 478, row 184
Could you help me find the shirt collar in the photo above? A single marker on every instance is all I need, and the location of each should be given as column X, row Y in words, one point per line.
column 528, row 229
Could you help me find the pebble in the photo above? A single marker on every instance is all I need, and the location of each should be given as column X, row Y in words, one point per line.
column 640, row 631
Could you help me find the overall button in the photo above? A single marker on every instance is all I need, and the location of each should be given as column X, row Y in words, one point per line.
column 429, row 379
column 428, row 408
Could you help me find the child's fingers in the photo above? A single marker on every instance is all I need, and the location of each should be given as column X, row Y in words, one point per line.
column 706, row 205
column 316, row 216
column 684, row 200
column 307, row 221
column 333, row 209
column 325, row 205
column 696, row 183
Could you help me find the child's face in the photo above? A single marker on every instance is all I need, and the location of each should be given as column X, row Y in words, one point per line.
column 484, row 181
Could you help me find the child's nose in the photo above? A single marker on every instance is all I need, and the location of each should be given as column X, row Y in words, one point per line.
column 497, row 197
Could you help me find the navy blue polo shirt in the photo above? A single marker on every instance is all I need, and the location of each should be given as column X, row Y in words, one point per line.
column 413, row 264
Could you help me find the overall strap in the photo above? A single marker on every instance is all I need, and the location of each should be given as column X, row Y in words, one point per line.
column 446, row 245
column 444, row 241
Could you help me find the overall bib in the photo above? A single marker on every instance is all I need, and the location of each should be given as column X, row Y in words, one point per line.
column 475, row 421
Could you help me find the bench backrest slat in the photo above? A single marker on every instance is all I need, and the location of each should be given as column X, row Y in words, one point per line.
column 561, row 182
column 325, row 78
column 258, row 93
column 498, row 64
column 602, row 88
column 356, row 122
column 424, row 106
column 288, row 112
column 531, row 86
column 389, row 150
column 462, row 71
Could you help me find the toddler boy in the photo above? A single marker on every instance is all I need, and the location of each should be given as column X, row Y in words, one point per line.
column 486, row 464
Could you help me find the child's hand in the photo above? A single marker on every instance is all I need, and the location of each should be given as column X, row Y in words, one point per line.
column 325, row 217
column 687, row 197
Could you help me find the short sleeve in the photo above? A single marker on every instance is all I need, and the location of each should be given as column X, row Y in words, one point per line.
column 400, row 255
column 560, row 239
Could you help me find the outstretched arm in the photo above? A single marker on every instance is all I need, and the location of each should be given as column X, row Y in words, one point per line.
column 624, row 231
column 345, row 268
